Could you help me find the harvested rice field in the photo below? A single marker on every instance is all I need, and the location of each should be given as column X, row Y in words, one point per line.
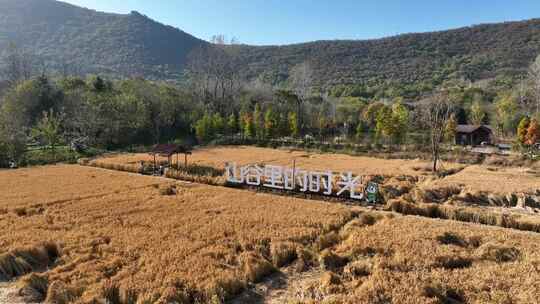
column 56, row 184
column 148, row 238
column 498, row 180
column 78, row 234
column 495, row 180
column 381, row 259
column 242, row 155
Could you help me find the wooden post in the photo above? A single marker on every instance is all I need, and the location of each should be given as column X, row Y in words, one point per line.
column 154, row 173
column 293, row 174
column 185, row 160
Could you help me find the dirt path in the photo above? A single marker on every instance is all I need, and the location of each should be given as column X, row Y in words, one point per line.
column 282, row 287
column 8, row 294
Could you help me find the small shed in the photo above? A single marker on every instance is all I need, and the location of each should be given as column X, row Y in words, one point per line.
column 169, row 151
column 471, row 135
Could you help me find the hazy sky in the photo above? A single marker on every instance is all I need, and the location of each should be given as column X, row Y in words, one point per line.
column 290, row 21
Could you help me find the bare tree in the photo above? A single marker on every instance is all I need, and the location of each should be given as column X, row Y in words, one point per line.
column 301, row 80
column 534, row 78
column 435, row 113
column 18, row 65
column 212, row 71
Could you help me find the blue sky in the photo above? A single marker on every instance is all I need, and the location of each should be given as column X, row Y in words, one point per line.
column 264, row 22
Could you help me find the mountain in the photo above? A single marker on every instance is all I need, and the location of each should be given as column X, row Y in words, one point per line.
column 60, row 35
column 474, row 53
column 63, row 35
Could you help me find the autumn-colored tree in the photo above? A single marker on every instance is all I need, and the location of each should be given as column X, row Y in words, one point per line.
column 477, row 114
column 249, row 126
column 270, row 123
column 533, row 133
column 451, row 128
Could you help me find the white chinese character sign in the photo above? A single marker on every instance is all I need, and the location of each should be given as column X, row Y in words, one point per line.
column 282, row 178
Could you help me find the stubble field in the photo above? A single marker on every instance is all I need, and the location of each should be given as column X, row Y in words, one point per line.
column 195, row 243
column 243, row 155
column 75, row 234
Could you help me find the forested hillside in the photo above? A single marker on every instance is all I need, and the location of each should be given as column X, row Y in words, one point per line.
column 63, row 36
column 85, row 41
column 470, row 53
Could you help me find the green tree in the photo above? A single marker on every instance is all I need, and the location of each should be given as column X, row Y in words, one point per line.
column 477, row 114
column 249, row 126
column 505, row 111
column 258, row 121
column 384, row 123
column 359, row 134
column 218, row 124
column 369, row 115
column 293, row 125
column 203, row 128
column 270, row 123
column 232, row 124
column 49, row 130
column 400, row 117
column 522, row 130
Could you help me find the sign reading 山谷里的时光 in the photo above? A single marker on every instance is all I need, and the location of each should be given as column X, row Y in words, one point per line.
column 319, row 182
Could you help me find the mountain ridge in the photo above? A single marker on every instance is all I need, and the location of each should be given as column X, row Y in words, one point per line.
column 128, row 45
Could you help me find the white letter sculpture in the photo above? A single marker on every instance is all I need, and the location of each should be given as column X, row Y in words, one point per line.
column 278, row 177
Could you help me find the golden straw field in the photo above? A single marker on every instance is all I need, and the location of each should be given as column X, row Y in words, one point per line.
column 199, row 240
column 78, row 234
column 495, row 180
column 243, row 155
column 413, row 260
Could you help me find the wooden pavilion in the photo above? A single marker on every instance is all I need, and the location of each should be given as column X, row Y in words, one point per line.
column 169, row 151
